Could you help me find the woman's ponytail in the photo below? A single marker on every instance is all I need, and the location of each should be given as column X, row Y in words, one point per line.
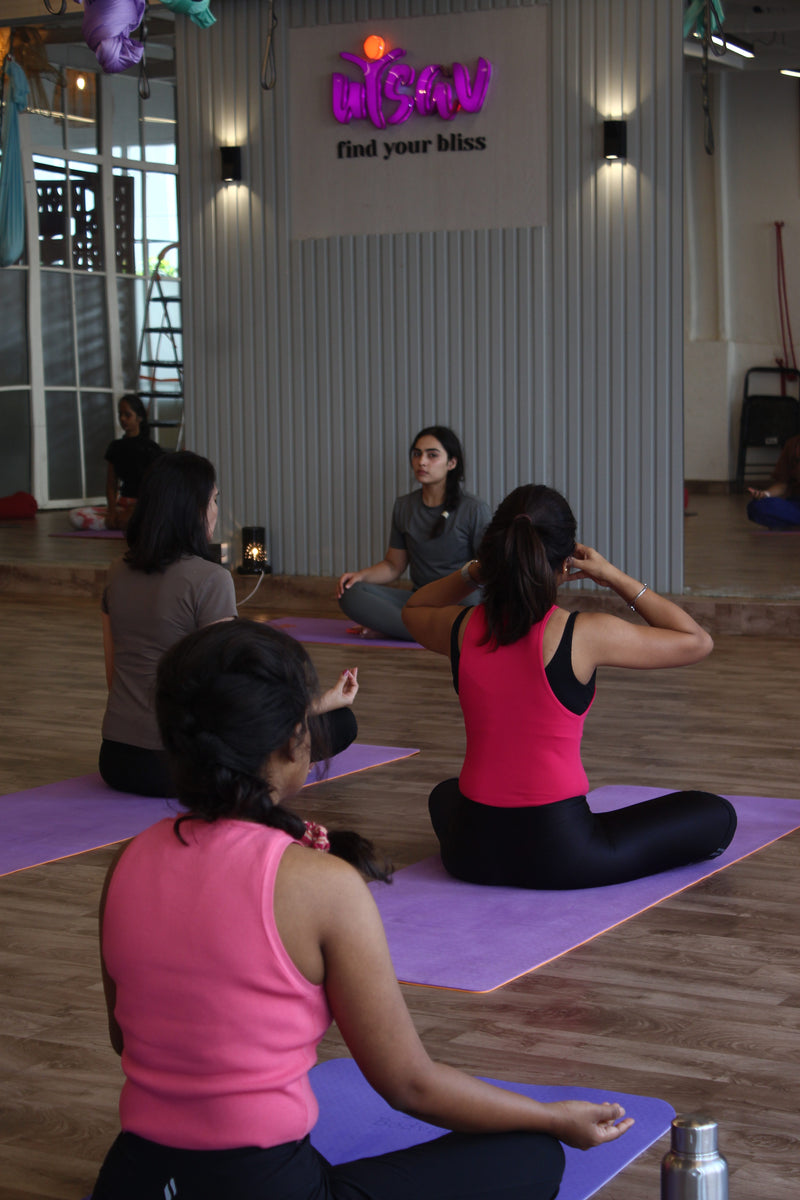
column 523, row 548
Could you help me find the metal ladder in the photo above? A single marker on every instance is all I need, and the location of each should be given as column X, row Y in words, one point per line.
column 160, row 371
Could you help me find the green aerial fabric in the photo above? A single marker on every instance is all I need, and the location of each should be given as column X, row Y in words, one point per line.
column 694, row 19
column 12, row 186
column 196, row 9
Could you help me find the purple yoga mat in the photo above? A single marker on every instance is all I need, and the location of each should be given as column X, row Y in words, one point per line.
column 89, row 533
column 332, row 631
column 354, row 1122
column 447, row 934
column 75, row 815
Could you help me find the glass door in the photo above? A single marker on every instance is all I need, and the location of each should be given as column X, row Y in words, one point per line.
column 101, row 171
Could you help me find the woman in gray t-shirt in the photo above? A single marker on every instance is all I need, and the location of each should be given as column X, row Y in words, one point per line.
column 166, row 586
column 434, row 531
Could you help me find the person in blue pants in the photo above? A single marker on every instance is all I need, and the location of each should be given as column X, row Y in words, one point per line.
column 777, row 506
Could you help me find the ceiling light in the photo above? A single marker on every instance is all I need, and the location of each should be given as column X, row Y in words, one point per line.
column 735, row 45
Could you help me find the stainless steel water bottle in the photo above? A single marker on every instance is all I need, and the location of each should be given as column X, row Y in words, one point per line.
column 694, row 1169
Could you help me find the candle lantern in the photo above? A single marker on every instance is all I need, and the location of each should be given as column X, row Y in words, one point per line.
column 255, row 559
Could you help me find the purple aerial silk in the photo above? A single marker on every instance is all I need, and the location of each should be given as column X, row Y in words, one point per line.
column 106, row 25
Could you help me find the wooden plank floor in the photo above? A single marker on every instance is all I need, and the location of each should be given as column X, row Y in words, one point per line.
column 696, row 1000
column 727, row 555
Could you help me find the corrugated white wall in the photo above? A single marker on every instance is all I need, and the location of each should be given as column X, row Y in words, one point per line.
column 556, row 351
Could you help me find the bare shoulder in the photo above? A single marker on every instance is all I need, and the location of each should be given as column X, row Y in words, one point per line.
column 597, row 628
column 321, row 884
column 320, row 902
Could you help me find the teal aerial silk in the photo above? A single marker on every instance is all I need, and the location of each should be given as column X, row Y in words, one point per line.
column 12, row 186
column 694, row 18
column 198, row 10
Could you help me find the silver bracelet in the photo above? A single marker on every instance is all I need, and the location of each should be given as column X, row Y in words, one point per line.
column 465, row 575
column 632, row 604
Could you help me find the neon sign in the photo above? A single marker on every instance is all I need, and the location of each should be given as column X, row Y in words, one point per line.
column 387, row 82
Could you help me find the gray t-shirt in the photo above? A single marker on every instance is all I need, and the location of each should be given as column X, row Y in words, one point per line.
column 148, row 614
column 431, row 558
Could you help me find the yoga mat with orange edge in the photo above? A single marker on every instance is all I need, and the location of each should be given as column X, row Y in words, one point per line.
column 75, row 815
column 333, row 631
column 465, row 937
column 355, row 1122
column 89, row 533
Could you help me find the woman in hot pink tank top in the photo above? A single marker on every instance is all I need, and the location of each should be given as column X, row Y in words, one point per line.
column 231, row 939
column 525, row 670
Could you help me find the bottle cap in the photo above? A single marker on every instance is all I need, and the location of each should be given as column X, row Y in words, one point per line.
column 694, row 1133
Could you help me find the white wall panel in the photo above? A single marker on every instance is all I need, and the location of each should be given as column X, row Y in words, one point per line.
column 555, row 351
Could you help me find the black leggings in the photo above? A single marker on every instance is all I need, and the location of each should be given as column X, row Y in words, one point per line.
column 146, row 772
column 492, row 1166
column 566, row 845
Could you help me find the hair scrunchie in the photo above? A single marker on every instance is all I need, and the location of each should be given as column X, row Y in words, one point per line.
column 315, row 836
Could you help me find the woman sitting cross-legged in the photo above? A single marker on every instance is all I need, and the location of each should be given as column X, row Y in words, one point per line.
column 164, row 587
column 778, row 504
column 433, row 530
column 127, row 458
column 524, row 670
column 230, row 940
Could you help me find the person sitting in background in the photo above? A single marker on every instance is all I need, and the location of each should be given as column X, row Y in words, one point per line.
column 230, row 940
column 128, row 458
column 778, row 504
column 433, row 531
column 166, row 586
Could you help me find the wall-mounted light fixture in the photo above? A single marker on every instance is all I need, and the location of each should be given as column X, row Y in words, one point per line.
column 793, row 74
column 231, row 161
column 255, row 560
column 615, row 139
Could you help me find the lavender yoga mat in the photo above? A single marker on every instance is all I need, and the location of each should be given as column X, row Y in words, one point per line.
column 333, row 631
column 89, row 533
column 355, row 1122
column 75, row 815
column 447, row 934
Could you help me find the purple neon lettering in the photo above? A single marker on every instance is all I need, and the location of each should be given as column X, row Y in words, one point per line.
column 444, row 99
column 433, row 93
column 347, row 99
column 399, row 76
column 423, row 93
column 373, row 74
column 471, row 98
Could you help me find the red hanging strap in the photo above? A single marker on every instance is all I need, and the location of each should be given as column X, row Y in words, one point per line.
column 783, row 306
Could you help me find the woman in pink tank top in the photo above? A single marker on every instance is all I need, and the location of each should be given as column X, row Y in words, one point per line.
column 525, row 669
column 230, row 939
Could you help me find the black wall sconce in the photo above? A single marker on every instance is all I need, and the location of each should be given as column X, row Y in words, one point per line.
column 615, row 139
column 231, row 160
column 255, row 560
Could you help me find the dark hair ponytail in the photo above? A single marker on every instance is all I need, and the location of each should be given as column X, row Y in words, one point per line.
column 452, row 488
column 169, row 520
column 227, row 697
column 523, row 548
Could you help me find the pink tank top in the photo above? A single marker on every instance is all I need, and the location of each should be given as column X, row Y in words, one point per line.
column 220, row 1027
column 523, row 745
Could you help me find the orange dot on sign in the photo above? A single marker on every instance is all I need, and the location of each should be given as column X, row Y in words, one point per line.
column 374, row 46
